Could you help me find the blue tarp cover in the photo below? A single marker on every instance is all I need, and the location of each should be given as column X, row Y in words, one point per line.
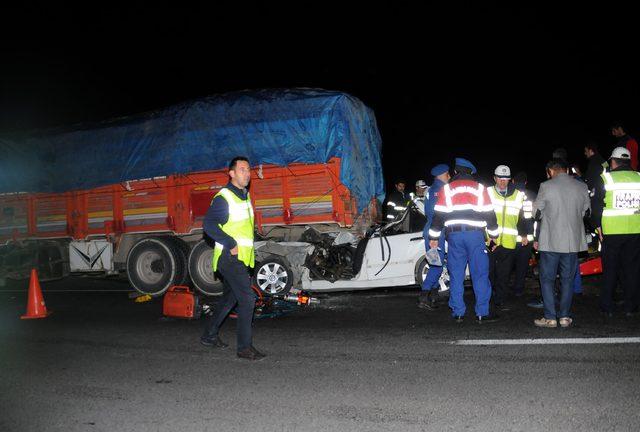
column 268, row 126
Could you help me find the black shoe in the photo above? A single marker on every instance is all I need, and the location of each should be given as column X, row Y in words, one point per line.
column 487, row 318
column 606, row 314
column 458, row 318
column 502, row 307
column 251, row 354
column 213, row 343
column 427, row 301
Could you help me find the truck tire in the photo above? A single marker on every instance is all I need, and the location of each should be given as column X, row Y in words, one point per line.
column 180, row 251
column 273, row 276
column 152, row 266
column 202, row 275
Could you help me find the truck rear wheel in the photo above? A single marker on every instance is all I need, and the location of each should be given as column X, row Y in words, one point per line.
column 201, row 272
column 152, row 266
column 181, row 253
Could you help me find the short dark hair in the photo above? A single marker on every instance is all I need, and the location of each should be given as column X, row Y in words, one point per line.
column 520, row 177
column 557, row 164
column 624, row 162
column 560, row 153
column 463, row 169
column 617, row 124
column 234, row 161
column 592, row 145
column 398, row 181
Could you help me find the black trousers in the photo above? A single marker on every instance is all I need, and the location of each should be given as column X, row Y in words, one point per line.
column 523, row 255
column 620, row 261
column 500, row 265
column 237, row 290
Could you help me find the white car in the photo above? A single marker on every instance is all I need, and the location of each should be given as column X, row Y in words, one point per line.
column 388, row 256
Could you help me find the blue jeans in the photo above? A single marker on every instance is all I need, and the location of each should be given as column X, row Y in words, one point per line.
column 433, row 275
column 577, row 280
column 552, row 263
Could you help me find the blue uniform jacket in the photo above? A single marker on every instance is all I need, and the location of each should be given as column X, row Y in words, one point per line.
column 429, row 205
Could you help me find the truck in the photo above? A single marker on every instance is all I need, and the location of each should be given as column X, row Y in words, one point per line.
column 127, row 197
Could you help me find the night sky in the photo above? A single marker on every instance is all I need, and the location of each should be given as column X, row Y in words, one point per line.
column 495, row 85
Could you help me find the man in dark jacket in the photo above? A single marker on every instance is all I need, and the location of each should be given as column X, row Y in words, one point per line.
column 595, row 167
column 396, row 201
column 627, row 141
column 523, row 253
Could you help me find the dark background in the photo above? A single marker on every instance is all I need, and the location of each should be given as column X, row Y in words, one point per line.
column 496, row 85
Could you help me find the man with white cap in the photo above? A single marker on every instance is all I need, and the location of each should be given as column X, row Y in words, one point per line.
column 508, row 205
column 616, row 213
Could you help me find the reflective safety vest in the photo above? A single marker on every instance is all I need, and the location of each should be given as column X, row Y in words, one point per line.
column 527, row 212
column 239, row 226
column 621, row 213
column 507, row 209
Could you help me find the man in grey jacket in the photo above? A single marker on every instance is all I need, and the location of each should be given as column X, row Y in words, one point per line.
column 561, row 204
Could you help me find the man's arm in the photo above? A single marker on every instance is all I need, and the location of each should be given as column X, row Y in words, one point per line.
column 597, row 204
column 218, row 215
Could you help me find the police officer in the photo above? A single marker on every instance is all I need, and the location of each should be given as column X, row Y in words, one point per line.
column 396, row 201
column 229, row 222
column 463, row 213
column 508, row 205
column 617, row 216
column 430, row 285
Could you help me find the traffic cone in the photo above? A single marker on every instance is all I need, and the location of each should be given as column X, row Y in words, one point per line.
column 35, row 303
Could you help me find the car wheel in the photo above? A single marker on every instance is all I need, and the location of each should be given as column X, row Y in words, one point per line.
column 421, row 274
column 201, row 272
column 152, row 266
column 273, row 276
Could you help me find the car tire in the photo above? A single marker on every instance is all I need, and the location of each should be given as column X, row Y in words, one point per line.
column 202, row 275
column 273, row 276
column 152, row 266
column 422, row 269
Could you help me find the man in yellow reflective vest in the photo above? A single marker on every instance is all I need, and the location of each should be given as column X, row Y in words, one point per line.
column 229, row 222
column 617, row 216
column 508, row 204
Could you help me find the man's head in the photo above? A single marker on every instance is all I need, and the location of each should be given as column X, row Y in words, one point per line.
column 620, row 157
column 502, row 176
column 590, row 149
column 560, row 153
column 441, row 172
column 617, row 129
column 520, row 178
column 400, row 185
column 240, row 172
column 463, row 166
column 421, row 186
column 555, row 167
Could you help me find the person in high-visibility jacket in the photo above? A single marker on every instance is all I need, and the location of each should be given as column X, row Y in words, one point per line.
column 508, row 204
column 396, row 201
column 229, row 222
column 465, row 213
column 617, row 216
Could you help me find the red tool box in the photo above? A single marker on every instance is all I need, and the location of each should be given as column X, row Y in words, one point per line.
column 181, row 302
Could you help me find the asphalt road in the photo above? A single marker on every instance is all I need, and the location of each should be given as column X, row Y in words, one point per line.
column 363, row 361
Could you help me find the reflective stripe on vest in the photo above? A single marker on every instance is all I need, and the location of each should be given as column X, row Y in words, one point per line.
column 621, row 213
column 507, row 211
column 239, row 226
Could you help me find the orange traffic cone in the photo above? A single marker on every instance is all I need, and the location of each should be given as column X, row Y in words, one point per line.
column 35, row 303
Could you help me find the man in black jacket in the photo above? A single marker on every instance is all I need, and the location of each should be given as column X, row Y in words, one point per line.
column 596, row 166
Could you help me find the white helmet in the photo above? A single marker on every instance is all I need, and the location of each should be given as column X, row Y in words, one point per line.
column 502, row 171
